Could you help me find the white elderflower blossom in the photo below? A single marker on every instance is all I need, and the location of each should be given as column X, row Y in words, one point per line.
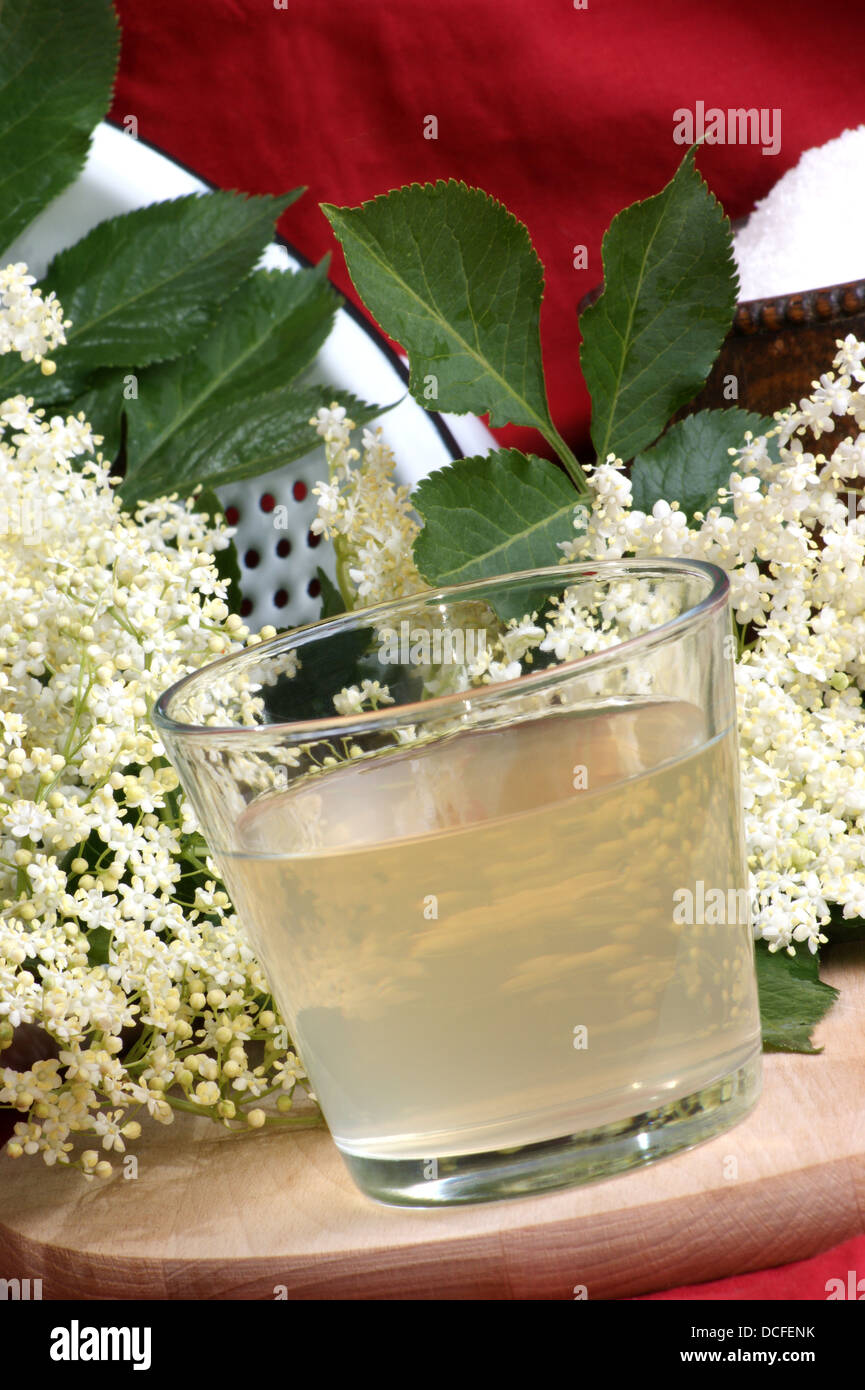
column 29, row 325
column 354, row 698
column 118, row 950
column 365, row 514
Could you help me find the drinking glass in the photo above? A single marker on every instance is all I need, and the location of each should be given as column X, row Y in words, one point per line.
column 487, row 844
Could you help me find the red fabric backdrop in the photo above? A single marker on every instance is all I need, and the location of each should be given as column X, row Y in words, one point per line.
column 565, row 114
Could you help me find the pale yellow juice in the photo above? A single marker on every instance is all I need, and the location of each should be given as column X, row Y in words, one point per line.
column 475, row 943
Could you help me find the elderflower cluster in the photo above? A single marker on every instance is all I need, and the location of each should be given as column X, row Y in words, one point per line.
column 366, row 516
column 127, row 987
column 790, row 533
column 29, row 324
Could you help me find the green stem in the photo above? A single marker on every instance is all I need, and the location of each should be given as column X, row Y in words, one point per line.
column 273, row 1121
column 569, row 459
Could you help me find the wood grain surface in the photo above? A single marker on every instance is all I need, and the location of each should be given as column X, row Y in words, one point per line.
column 215, row 1217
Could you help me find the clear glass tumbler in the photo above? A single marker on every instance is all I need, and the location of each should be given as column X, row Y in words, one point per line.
column 487, row 844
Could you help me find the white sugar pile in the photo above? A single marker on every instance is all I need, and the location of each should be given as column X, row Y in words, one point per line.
column 808, row 232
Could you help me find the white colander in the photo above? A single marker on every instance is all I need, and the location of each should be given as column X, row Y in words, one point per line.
column 272, row 513
column 277, row 552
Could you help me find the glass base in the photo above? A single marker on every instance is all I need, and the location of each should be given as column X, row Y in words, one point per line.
column 570, row 1161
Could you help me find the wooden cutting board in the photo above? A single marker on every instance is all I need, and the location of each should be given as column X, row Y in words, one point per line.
column 210, row 1216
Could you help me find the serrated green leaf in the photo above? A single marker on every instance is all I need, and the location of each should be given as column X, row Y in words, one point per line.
column 452, row 275
column 691, row 460
column 669, row 297
column 793, row 998
column 243, row 438
column 146, row 286
column 267, row 332
column 492, row 515
column 277, row 322
column 57, row 64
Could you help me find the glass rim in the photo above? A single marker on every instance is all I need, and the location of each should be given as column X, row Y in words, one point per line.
column 416, row 711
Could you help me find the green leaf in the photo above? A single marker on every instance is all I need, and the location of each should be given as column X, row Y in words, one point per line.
column 145, row 287
column 332, row 601
column 669, row 297
column 57, row 64
column 492, row 515
column 270, row 329
column 691, row 460
column 102, row 406
column 452, row 275
column 842, row 928
column 324, row 669
column 99, row 945
column 793, row 998
column 241, row 439
column 23, row 378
